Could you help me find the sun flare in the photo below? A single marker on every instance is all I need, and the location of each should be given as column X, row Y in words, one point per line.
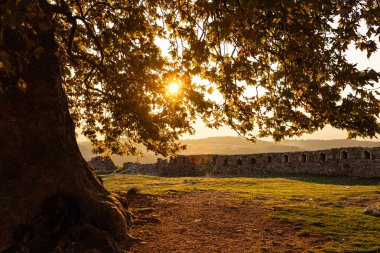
column 173, row 88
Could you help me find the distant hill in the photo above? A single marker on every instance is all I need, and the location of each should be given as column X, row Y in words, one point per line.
column 149, row 157
column 326, row 144
column 235, row 145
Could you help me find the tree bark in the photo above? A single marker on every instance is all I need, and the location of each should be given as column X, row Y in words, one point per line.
column 50, row 200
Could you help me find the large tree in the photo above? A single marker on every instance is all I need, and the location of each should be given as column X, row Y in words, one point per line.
column 280, row 67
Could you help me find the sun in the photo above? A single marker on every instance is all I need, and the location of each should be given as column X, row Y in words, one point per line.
column 173, row 88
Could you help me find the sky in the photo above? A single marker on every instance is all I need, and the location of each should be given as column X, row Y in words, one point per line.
column 328, row 133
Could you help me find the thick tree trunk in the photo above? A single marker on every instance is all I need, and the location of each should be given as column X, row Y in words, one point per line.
column 50, row 200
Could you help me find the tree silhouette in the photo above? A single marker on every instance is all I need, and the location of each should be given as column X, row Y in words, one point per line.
column 279, row 66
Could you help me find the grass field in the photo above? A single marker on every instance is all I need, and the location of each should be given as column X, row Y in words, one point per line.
column 330, row 208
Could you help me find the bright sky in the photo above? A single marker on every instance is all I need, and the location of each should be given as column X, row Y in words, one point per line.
column 353, row 56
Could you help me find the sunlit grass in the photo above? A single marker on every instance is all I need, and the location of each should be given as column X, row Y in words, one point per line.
column 328, row 207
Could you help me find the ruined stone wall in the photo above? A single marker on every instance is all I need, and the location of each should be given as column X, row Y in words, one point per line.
column 346, row 162
column 142, row 169
column 102, row 165
column 192, row 165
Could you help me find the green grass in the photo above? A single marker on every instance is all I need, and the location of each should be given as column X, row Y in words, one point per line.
column 328, row 207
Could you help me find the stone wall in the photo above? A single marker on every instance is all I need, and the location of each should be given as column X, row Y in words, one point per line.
column 345, row 162
column 135, row 168
column 102, row 165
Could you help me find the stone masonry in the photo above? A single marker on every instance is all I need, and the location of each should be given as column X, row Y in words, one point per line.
column 343, row 162
column 102, row 165
column 136, row 168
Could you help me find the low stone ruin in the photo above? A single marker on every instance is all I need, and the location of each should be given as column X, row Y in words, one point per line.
column 142, row 169
column 102, row 165
column 341, row 162
column 338, row 162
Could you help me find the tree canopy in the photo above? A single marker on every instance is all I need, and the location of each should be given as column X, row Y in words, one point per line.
column 280, row 66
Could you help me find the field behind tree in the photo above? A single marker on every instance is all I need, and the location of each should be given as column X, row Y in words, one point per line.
column 240, row 214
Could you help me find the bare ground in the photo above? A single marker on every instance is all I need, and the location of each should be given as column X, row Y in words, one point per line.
column 212, row 221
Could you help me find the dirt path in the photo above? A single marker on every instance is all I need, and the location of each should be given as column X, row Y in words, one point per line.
column 211, row 221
